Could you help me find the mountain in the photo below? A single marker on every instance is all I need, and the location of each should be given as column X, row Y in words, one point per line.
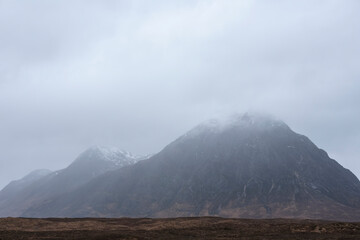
column 248, row 166
column 41, row 185
column 17, row 186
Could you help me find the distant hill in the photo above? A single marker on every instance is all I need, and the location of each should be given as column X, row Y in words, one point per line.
column 17, row 186
column 41, row 185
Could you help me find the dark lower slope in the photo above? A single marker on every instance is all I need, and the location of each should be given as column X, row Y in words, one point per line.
column 252, row 168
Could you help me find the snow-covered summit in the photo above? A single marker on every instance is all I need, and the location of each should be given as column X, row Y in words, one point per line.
column 110, row 154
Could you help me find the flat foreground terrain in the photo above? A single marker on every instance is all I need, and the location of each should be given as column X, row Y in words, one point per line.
column 174, row 228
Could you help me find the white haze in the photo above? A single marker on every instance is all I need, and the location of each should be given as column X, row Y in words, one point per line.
column 137, row 74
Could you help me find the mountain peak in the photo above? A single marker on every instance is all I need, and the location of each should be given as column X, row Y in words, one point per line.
column 253, row 120
column 249, row 121
column 109, row 154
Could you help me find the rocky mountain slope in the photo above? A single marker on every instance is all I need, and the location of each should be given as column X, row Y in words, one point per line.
column 249, row 166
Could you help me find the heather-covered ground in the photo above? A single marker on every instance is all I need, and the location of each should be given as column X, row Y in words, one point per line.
column 178, row 228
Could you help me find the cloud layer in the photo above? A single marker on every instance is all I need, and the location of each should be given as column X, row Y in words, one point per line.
column 136, row 74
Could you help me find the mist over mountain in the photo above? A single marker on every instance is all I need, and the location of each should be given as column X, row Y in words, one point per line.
column 137, row 74
column 16, row 186
column 248, row 166
column 40, row 185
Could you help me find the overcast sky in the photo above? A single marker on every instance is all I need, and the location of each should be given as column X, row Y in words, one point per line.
column 138, row 74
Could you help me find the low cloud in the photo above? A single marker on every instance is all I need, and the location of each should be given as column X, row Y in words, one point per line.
column 138, row 75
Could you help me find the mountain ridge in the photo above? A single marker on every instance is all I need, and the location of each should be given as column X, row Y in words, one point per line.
column 256, row 167
column 89, row 164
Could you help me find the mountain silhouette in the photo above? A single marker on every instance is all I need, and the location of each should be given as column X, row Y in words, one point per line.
column 248, row 166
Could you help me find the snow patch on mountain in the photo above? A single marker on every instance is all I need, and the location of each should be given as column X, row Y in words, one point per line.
column 111, row 154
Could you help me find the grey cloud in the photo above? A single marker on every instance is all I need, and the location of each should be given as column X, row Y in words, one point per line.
column 137, row 75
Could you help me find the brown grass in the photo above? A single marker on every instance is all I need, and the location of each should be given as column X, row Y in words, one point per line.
column 175, row 228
